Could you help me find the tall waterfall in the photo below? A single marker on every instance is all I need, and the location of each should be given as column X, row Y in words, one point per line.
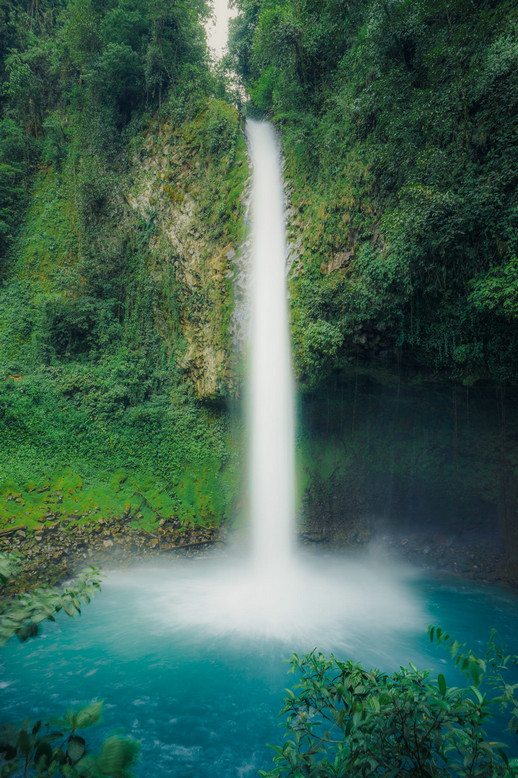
column 271, row 403
column 311, row 598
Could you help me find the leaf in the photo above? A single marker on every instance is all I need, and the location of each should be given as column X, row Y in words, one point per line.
column 43, row 755
column 90, row 715
column 477, row 694
column 29, row 630
column 117, row 754
column 441, row 681
column 68, row 720
column 504, row 756
column 24, row 743
column 88, row 768
column 475, row 673
column 9, row 751
column 76, row 748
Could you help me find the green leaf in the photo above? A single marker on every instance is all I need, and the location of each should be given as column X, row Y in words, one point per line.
column 90, row 715
column 29, row 630
column 43, row 755
column 441, row 681
column 24, row 742
column 88, row 768
column 8, row 751
column 76, row 748
column 477, row 694
column 117, row 754
column 475, row 673
column 68, row 720
column 504, row 756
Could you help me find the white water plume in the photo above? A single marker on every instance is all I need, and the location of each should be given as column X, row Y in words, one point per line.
column 271, row 403
column 332, row 601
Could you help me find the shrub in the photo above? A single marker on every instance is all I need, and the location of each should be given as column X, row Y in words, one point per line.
column 345, row 720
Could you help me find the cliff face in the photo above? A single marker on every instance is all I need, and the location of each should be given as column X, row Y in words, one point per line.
column 192, row 196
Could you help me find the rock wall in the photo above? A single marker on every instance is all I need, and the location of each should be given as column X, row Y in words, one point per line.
column 192, row 197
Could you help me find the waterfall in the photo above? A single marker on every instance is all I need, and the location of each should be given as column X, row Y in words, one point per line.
column 270, row 392
column 313, row 599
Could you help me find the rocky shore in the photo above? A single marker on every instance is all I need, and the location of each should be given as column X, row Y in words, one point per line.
column 57, row 550
column 477, row 558
column 472, row 558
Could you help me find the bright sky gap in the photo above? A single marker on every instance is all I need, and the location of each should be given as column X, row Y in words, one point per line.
column 217, row 28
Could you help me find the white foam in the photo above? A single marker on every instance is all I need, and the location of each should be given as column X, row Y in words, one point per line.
column 329, row 601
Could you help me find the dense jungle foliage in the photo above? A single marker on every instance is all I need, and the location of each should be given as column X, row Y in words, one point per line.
column 109, row 127
column 398, row 119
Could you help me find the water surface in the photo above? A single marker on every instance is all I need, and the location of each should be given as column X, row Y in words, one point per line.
column 202, row 691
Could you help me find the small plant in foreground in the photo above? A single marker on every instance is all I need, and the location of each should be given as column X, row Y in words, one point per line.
column 347, row 721
column 53, row 748
column 22, row 615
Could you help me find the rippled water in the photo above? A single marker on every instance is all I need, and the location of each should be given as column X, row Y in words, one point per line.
column 202, row 689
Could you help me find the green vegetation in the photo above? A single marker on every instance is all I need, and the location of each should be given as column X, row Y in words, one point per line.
column 345, row 720
column 23, row 615
column 398, row 124
column 54, row 748
column 122, row 166
column 120, row 184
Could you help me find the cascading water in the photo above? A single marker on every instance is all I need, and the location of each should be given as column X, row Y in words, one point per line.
column 271, row 404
